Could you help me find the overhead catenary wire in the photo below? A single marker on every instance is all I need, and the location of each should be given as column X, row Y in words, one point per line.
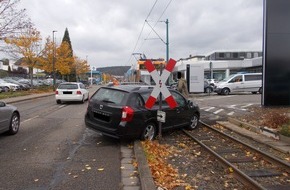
column 152, row 28
column 142, row 30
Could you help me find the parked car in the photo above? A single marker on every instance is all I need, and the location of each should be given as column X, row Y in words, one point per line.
column 208, row 88
column 240, row 82
column 120, row 112
column 22, row 85
column 9, row 118
column 9, row 86
column 71, row 91
column 212, row 82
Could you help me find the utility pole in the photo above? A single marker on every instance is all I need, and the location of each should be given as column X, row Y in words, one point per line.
column 53, row 59
column 167, row 41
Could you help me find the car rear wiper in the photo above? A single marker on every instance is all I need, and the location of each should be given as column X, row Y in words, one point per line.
column 108, row 101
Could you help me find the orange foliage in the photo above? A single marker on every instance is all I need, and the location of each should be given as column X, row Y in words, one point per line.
column 163, row 173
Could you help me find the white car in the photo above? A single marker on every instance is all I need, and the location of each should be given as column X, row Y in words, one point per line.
column 8, row 86
column 71, row 91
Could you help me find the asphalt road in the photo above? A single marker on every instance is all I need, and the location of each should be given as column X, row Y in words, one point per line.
column 54, row 150
column 219, row 108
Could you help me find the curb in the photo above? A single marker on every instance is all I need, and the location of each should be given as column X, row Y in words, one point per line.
column 256, row 136
column 24, row 98
column 146, row 179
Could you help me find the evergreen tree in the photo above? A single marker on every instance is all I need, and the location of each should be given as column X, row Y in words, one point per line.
column 66, row 39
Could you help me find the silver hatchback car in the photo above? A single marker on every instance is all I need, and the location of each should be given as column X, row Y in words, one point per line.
column 9, row 118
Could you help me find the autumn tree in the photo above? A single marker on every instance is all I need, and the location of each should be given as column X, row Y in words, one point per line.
column 26, row 46
column 12, row 20
column 66, row 39
column 81, row 66
column 62, row 58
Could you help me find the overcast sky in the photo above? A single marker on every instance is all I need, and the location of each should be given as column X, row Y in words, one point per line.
column 107, row 31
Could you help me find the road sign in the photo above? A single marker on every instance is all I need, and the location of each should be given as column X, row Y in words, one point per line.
column 160, row 84
column 161, row 115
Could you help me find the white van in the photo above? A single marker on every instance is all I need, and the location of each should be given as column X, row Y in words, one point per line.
column 241, row 82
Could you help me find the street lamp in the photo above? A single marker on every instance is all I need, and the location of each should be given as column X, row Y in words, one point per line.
column 53, row 59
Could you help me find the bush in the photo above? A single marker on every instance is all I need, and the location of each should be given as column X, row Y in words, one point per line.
column 275, row 119
column 285, row 129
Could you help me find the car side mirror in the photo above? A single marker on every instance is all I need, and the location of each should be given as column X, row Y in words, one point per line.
column 2, row 104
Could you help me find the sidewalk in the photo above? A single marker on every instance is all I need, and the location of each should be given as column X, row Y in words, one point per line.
column 27, row 97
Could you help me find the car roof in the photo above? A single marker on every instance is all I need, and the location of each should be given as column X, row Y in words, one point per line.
column 70, row 83
column 131, row 88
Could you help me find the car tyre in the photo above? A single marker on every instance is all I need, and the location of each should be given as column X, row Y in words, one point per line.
column 58, row 101
column 83, row 99
column 208, row 90
column 149, row 132
column 226, row 91
column 14, row 124
column 194, row 122
column 260, row 90
column 5, row 89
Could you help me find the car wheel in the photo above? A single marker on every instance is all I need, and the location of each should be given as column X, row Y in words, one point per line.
column 194, row 122
column 83, row 100
column 5, row 89
column 14, row 124
column 226, row 91
column 149, row 132
column 208, row 90
column 260, row 90
column 58, row 101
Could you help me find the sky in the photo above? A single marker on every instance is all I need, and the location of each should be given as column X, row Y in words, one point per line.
column 113, row 32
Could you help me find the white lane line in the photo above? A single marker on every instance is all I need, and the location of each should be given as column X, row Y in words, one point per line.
column 216, row 112
column 231, row 113
column 209, row 108
column 30, row 119
column 246, row 105
column 232, row 106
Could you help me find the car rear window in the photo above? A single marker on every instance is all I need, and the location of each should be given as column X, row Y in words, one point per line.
column 110, row 96
column 68, row 86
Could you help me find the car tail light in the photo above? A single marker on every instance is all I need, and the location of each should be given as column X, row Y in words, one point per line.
column 79, row 92
column 56, row 92
column 127, row 113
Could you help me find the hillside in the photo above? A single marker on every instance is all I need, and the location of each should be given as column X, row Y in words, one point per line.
column 114, row 70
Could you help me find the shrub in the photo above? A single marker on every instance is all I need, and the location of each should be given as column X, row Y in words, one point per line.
column 275, row 119
column 285, row 129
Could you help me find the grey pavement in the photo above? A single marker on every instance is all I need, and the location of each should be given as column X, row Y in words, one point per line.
column 129, row 174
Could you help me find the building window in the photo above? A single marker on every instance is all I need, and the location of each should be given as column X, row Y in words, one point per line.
column 235, row 55
column 249, row 55
column 256, row 54
column 221, row 55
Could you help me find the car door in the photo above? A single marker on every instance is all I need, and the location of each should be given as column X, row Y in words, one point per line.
column 176, row 117
column 4, row 117
column 236, row 84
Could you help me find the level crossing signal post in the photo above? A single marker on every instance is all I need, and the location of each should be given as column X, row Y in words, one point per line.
column 160, row 88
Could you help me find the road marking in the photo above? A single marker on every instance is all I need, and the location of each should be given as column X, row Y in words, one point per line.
column 30, row 119
column 216, row 112
column 232, row 106
column 209, row 108
column 246, row 105
column 231, row 113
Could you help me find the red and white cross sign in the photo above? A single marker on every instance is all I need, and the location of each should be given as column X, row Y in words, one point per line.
column 160, row 84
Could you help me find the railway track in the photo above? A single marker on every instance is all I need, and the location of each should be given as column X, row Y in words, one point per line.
column 252, row 167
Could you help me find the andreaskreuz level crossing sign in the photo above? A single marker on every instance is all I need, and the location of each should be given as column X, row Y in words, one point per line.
column 160, row 84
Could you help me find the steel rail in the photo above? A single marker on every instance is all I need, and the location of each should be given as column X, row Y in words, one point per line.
column 266, row 156
column 242, row 177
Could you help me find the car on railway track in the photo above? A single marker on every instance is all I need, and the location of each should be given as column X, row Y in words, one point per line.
column 120, row 112
column 9, row 118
